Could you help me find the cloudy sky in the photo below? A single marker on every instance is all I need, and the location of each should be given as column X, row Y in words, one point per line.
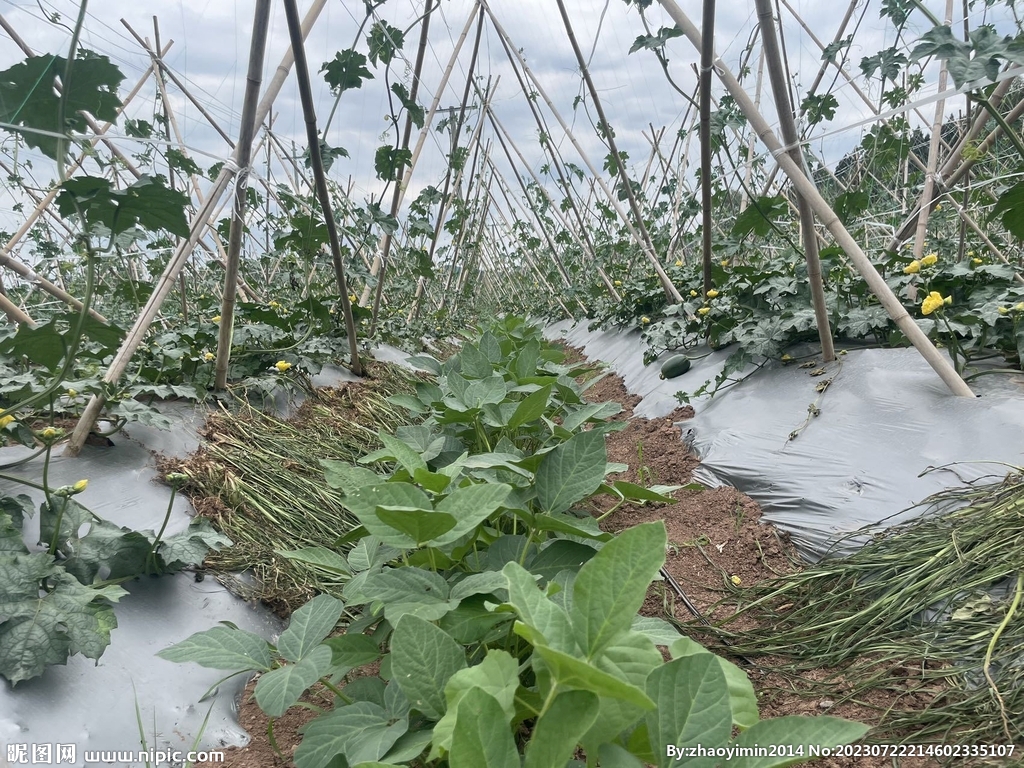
column 211, row 42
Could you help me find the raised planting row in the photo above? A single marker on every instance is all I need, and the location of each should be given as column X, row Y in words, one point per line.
column 501, row 625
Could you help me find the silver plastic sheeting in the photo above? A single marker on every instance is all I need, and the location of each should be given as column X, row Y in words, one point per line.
column 884, row 419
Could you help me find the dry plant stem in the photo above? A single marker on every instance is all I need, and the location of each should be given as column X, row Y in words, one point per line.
column 787, row 124
column 876, row 284
column 168, row 279
column 320, row 177
column 671, row 292
column 707, row 47
column 991, row 647
column 254, row 78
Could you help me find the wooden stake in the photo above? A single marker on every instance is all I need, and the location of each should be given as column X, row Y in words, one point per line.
column 706, row 52
column 876, row 284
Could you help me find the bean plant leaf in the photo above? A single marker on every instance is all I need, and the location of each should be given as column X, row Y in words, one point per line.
column 798, row 732
column 147, row 203
column 576, row 673
column 279, row 690
column 423, row 659
column 610, row 588
column 318, row 557
column 347, row 70
column 742, row 698
column 693, row 705
column 497, row 676
column 482, row 738
column 571, row 472
column 470, row 506
column 531, row 408
column 536, row 610
column 352, row 650
column 222, row 648
column 308, row 626
column 420, row 525
column 362, row 732
column 30, row 99
column 558, row 730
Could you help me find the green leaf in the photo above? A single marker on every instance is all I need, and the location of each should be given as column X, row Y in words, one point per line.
column 191, row 546
column 475, row 364
column 147, row 203
column 363, row 503
column 397, row 450
column 279, row 690
column 43, row 345
column 482, row 738
column 352, row 650
column 798, row 732
column 1010, row 207
column 693, row 705
column 558, row 730
column 484, row 583
column 362, row 732
column 38, row 631
column 758, row 216
column 497, row 675
column 560, row 555
column 472, row 623
column 470, row 506
column 590, row 412
column 348, row 478
column 222, row 648
column 610, row 588
column 347, row 70
column 29, row 97
column 415, row 110
column 576, row 673
column 426, row 363
column 536, row 610
column 406, row 590
column 309, row 625
column 659, row 631
column 384, row 41
column 571, row 472
column 530, row 408
column 388, row 161
column 742, row 698
column 423, row 659
column 613, row 756
column 319, row 557
column 420, row 525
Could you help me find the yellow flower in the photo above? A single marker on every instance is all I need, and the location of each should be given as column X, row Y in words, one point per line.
column 49, row 433
column 274, row 305
column 618, row 283
column 5, row 420
column 282, row 366
column 80, row 486
column 72, row 393
column 209, row 357
column 353, row 299
column 724, row 262
column 787, row 357
column 912, row 268
column 736, row 580
column 679, row 263
column 1002, row 311
column 938, row 206
column 712, row 293
column 932, row 302
column 694, row 294
column 977, row 262
column 970, row 253
column 1019, row 307
column 948, row 300
column 645, row 320
column 703, row 310
column 930, row 259
column 216, row 319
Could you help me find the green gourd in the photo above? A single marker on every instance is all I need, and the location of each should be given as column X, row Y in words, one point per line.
column 675, row 366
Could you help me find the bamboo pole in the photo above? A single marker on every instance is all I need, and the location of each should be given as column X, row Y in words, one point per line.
column 876, row 284
column 253, row 80
column 791, row 136
column 167, row 281
column 933, row 152
column 706, row 52
column 671, row 292
column 398, row 192
column 297, row 36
